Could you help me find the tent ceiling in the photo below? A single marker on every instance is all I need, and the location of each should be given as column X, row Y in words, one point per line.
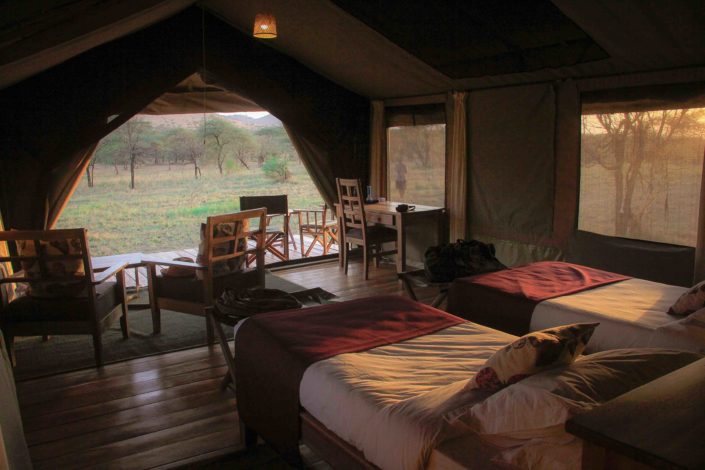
column 474, row 38
column 38, row 34
column 398, row 48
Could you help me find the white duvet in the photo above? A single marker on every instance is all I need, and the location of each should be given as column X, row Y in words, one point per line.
column 631, row 313
column 390, row 401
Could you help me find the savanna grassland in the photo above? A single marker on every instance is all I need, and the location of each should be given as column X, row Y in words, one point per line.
column 168, row 204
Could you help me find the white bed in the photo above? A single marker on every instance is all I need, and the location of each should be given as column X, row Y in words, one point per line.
column 399, row 396
column 631, row 313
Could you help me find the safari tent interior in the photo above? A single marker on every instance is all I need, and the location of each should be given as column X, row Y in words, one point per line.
column 513, row 82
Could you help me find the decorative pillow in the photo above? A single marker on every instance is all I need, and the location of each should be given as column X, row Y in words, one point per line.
column 180, row 271
column 541, row 404
column 690, row 301
column 220, row 249
column 57, row 268
column 533, row 353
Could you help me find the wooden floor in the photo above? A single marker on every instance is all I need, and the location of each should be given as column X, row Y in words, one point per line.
column 161, row 411
column 132, row 275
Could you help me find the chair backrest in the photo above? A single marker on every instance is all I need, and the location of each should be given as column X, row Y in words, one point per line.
column 352, row 205
column 227, row 239
column 53, row 262
column 274, row 204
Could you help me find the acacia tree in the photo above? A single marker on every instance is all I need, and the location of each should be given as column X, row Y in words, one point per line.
column 132, row 135
column 633, row 141
column 225, row 139
column 184, row 145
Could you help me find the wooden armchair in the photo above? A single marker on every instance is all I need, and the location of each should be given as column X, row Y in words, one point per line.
column 318, row 224
column 355, row 229
column 65, row 296
column 221, row 265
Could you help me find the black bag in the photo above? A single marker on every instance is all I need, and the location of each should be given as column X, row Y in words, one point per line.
column 445, row 262
column 241, row 303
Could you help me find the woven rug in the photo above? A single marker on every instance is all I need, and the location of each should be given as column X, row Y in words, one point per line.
column 66, row 353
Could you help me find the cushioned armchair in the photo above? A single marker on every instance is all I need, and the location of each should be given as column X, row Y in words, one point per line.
column 191, row 287
column 64, row 295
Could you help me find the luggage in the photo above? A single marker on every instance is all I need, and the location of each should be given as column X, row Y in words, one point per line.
column 445, row 262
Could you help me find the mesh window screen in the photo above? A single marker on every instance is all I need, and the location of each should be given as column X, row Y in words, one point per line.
column 641, row 171
column 416, row 149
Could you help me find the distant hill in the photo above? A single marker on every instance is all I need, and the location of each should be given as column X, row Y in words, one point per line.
column 250, row 122
column 194, row 120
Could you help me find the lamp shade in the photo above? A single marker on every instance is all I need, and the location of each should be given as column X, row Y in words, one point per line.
column 265, row 26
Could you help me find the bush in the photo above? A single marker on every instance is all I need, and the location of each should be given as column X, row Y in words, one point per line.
column 277, row 167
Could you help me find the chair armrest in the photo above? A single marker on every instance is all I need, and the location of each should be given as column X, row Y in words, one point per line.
column 165, row 262
column 99, row 278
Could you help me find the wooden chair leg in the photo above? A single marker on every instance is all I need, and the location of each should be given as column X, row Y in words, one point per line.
column 210, row 335
column 154, row 301
column 124, row 325
column 346, row 256
column 378, row 249
column 98, row 348
column 365, row 263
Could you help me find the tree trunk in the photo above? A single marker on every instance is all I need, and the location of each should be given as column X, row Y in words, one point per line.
column 89, row 176
column 220, row 167
column 115, row 165
column 196, row 170
column 132, row 172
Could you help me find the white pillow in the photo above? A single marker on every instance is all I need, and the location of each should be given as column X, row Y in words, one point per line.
column 541, row 404
column 687, row 333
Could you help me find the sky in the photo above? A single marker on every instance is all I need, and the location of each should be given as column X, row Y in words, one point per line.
column 254, row 114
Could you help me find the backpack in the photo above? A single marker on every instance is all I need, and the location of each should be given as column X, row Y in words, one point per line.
column 445, row 262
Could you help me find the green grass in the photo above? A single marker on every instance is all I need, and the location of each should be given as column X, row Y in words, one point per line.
column 166, row 208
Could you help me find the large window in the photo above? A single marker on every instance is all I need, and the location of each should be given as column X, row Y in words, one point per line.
column 416, row 149
column 641, row 173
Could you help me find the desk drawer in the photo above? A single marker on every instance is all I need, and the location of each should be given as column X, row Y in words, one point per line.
column 375, row 218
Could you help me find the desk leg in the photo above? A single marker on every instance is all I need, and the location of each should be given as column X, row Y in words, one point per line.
column 401, row 242
column 341, row 243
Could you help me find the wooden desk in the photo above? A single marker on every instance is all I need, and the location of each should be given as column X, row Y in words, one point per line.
column 658, row 425
column 385, row 213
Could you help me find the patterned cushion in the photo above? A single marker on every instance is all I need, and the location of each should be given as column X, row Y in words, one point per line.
column 533, row 353
column 690, row 301
column 56, row 268
column 222, row 230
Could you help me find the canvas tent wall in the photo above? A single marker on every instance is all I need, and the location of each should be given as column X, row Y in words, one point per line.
column 489, row 57
column 56, row 117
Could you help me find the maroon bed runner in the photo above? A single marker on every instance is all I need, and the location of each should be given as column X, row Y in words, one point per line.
column 506, row 299
column 272, row 351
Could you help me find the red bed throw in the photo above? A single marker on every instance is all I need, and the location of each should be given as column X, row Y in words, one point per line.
column 506, row 299
column 272, row 351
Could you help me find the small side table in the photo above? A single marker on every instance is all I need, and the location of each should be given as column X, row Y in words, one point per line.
column 307, row 297
column 133, row 260
column 412, row 279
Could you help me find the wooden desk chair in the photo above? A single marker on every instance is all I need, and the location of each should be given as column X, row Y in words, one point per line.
column 277, row 238
column 220, row 266
column 319, row 224
column 65, row 296
column 355, row 228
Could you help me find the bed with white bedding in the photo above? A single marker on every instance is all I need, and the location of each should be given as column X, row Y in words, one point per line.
column 406, row 404
column 396, row 396
column 632, row 312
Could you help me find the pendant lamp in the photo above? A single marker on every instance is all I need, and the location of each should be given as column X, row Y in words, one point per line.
column 265, row 26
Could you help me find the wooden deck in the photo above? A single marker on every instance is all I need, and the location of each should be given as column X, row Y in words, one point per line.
column 269, row 259
column 163, row 411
